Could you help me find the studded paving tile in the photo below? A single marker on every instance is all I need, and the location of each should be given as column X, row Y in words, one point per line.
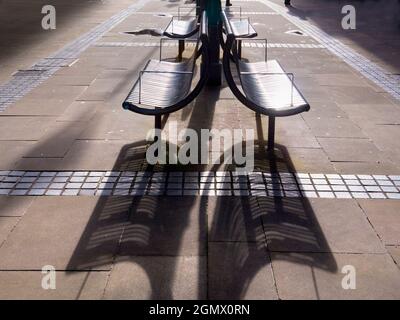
column 206, row 183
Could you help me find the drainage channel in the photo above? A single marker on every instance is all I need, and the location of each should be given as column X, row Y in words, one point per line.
column 24, row 81
column 366, row 67
column 206, row 183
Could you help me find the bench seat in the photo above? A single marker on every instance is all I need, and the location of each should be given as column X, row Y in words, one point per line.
column 264, row 86
column 180, row 29
column 164, row 87
column 268, row 86
column 243, row 28
column 162, row 84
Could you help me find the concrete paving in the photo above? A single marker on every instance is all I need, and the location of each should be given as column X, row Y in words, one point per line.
column 254, row 246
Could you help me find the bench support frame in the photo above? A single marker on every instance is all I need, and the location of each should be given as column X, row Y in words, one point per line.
column 271, row 133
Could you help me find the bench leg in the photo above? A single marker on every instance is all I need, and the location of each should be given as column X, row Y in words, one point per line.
column 271, row 133
column 239, row 49
column 181, row 49
column 157, row 121
column 157, row 125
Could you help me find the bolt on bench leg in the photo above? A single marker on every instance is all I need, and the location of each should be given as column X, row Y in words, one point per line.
column 271, row 133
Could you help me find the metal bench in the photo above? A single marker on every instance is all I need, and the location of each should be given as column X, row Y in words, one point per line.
column 164, row 87
column 182, row 27
column 241, row 26
column 265, row 87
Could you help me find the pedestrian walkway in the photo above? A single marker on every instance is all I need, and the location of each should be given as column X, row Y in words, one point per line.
column 77, row 193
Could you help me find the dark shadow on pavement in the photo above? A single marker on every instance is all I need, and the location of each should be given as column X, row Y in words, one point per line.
column 234, row 240
column 377, row 25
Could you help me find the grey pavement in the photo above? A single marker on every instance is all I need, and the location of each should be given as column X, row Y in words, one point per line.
column 69, row 155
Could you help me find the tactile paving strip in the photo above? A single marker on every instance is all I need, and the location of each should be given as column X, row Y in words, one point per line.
column 207, row 183
column 26, row 80
column 169, row 14
column 378, row 75
column 247, row 44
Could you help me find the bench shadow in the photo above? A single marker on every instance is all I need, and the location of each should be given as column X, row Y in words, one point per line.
column 143, row 230
column 248, row 232
column 212, row 247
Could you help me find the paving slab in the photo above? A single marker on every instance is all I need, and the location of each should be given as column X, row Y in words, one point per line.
column 13, row 206
column 378, row 166
column 38, row 107
column 323, row 110
column 73, row 80
column 382, row 135
column 154, row 277
column 52, row 233
column 81, row 154
column 61, row 92
column 341, row 80
column 117, row 124
column 395, row 253
column 80, row 111
column 57, row 140
column 235, row 219
column 317, row 225
column 156, row 230
column 12, row 151
column 24, row 128
column 27, row 285
column 345, row 227
column 239, row 271
column 353, row 95
column 377, row 277
column 309, row 160
column 6, row 226
column 350, row 149
column 99, row 90
column 385, row 218
column 365, row 114
column 39, row 164
column 334, row 128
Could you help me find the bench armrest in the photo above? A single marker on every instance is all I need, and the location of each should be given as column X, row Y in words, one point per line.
column 263, row 40
column 288, row 74
column 228, row 13
column 156, row 71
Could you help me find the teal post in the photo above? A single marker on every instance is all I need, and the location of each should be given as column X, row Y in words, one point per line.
column 213, row 8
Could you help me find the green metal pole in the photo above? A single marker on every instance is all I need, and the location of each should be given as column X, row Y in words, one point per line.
column 213, row 8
